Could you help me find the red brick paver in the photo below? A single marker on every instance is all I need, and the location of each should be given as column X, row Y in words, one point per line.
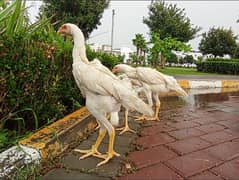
column 207, row 175
column 158, row 171
column 184, row 124
column 155, row 129
column 194, row 144
column 228, row 170
column 208, row 128
column 188, row 145
column 224, row 151
column 221, row 115
column 218, row 137
column 229, row 123
column 193, row 163
column 151, row 156
column 185, row 133
column 154, row 140
column 205, row 120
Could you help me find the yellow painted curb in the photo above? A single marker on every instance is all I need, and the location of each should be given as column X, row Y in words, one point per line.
column 48, row 141
column 189, row 84
column 184, row 84
column 230, row 83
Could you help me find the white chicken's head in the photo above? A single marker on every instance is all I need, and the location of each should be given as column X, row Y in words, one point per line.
column 69, row 29
column 122, row 68
column 64, row 29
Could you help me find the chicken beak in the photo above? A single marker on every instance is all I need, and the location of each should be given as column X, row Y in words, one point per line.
column 114, row 70
column 60, row 31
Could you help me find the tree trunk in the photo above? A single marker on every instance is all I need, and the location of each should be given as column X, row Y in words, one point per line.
column 162, row 61
column 137, row 56
column 144, row 58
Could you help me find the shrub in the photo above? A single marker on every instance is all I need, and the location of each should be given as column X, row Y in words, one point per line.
column 36, row 82
column 223, row 66
column 172, row 58
column 109, row 60
column 189, row 59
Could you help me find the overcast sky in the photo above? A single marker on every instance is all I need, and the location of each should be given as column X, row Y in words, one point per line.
column 129, row 19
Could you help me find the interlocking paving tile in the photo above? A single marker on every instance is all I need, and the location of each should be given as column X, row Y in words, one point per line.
column 186, row 133
column 151, row 156
column 184, row 124
column 207, row 175
column 193, row 163
column 218, row 137
column 154, row 140
column 158, row 171
column 152, row 130
column 208, row 128
column 188, row 145
column 228, row 170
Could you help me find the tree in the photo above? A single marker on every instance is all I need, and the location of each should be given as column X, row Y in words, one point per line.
column 236, row 52
column 170, row 21
column 172, row 59
column 133, row 57
column 140, row 43
column 188, row 59
column 85, row 13
column 163, row 47
column 218, row 41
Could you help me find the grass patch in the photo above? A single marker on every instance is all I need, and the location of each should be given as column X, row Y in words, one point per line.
column 183, row 71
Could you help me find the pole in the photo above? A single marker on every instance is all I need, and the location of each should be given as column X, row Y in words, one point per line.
column 112, row 30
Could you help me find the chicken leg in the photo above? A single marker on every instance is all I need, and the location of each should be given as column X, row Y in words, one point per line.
column 111, row 153
column 94, row 149
column 126, row 127
column 148, row 94
column 154, row 118
column 156, row 114
column 107, row 115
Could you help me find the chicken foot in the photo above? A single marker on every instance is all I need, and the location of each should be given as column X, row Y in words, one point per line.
column 111, row 153
column 140, row 118
column 126, row 127
column 156, row 115
column 94, row 149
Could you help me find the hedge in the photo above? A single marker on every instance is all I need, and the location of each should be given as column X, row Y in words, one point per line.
column 36, row 82
column 221, row 66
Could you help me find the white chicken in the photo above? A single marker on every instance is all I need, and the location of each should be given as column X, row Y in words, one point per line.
column 103, row 92
column 153, row 84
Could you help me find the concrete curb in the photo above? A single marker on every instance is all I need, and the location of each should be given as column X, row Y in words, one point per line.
column 47, row 142
column 205, row 84
column 209, row 86
column 52, row 140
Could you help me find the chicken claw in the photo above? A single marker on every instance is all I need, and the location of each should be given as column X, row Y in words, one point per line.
column 152, row 118
column 140, row 118
column 107, row 157
column 91, row 152
column 125, row 129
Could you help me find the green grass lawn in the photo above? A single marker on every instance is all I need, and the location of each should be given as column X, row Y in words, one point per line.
column 183, row 71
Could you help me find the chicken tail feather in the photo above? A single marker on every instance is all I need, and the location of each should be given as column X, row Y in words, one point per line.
column 130, row 100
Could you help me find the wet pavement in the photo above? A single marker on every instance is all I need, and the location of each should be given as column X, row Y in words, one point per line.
column 195, row 139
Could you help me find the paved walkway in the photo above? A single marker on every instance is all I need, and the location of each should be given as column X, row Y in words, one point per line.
column 198, row 140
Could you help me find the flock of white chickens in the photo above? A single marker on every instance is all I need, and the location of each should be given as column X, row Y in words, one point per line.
column 105, row 92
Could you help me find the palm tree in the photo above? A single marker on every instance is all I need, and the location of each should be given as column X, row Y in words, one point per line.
column 144, row 50
column 139, row 42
